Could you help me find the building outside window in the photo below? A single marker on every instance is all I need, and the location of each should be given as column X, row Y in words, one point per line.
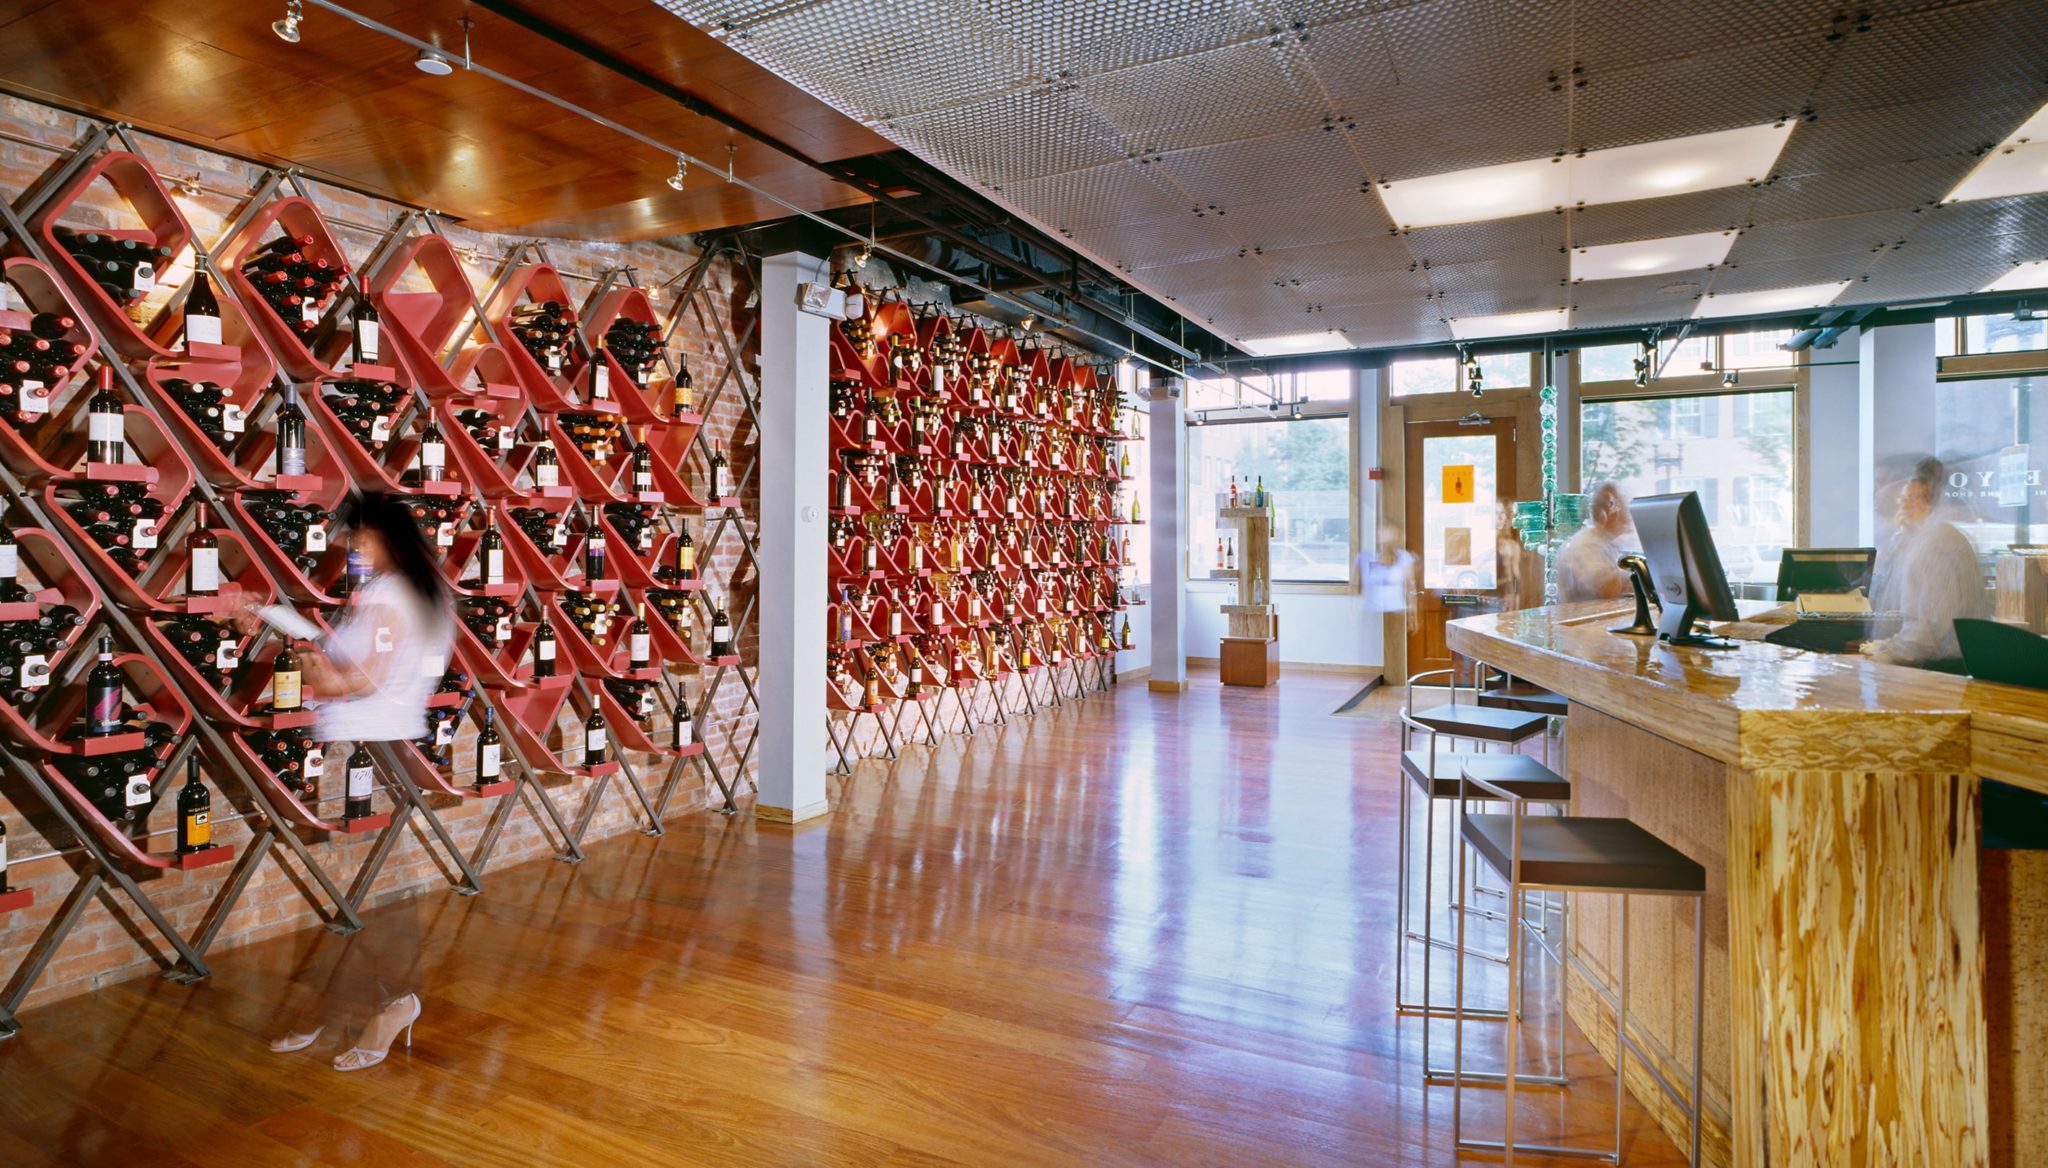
column 1306, row 465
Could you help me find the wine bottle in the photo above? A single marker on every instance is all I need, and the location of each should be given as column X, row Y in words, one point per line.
column 195, row 806
column 718, row 483
column 721, row 631
column 686, row 553
column 10, row 556
column 684, row 731
column 640, row 642
column 1128, row 641
column 286, row 692
column 433, row 455
column 544, row 649
column 103, row 693
column 291, row 434
column 362, row 777
column 1233, row 490
column 547, row 469
column 684, row 399
column 643, row 466
column 367, row 331
column 493, row 553
column 202, row 308
column 594, row 738
column 107, row 422
column 488, row 762
column 202, row 571
column 1258, row 495
column 600, row 373
column 593, row 552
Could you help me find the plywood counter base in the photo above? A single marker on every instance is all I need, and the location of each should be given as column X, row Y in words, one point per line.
column 1834, row 802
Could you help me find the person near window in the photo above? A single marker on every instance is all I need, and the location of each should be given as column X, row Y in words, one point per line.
column 1587, row 567
column 1390, row 576
column 1507, row 558
column 1930, row 578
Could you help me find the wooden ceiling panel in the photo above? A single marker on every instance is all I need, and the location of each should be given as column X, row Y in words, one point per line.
column 346, row 104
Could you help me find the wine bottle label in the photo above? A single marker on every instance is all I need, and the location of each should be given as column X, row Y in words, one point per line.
column 646, row 541
column 502, row 632
column 642, row 649
column 359, row 780
column 204, row 330
column 316, row 537
column 546, row 474
column 142, row 537
column 594, row 739
column 10, row 561
column 505, row 438
column 686, row 732
column 561, row 539
column 720, row 646
column 35, row 671
column 382, row 641
column 895, row 624
column 380, row 429
column 291, row 460
column 226, row 655
column 314, row 762
column 487, row 763
column 434, row 456
column 544, row 650
column 145, row 279
column 554, row 360
column 233, row 418
column 137, row 792
column 916, row 674
column 205, row 576
column 444, row 536
column 494, row 566
column 601, row 381
column 687, row 558
column 368, row 336
column 107, row 427
column 309, row 311
column 35, row 399
column 643, row 480
column 444, row 732
column 644, row 708
column 284, row 690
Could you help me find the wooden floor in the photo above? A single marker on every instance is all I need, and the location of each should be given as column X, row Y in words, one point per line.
column 1145, row 929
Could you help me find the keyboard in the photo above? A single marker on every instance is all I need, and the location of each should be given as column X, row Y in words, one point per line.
column 1833, row 634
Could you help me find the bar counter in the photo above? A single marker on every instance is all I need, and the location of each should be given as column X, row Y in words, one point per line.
column 1835, row 804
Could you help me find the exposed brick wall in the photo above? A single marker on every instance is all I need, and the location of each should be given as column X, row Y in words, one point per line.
column 103, row 947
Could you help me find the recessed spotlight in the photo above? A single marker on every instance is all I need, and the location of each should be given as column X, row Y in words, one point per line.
column 1731, row 378
column 433, row 63
column 287, row 30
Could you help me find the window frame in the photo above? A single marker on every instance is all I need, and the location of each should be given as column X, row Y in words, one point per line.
column 1461, row 385
column 1324, row 410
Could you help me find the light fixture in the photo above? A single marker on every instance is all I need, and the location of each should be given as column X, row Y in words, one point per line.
column 2016, row 166
column 1508, row 324
column 1731, row 378
column 1201, row 417
column 1651, row 257
column 1772, row 300
column 2022, row 312
column 287, row 30
column 432, row 63
column 1294, row 414
column 1675, row 166
column 1317, row 342
column 2022, row 278
column 1030, row 319
column 682, row 173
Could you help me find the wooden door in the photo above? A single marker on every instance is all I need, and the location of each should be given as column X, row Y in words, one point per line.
column 1457, row 471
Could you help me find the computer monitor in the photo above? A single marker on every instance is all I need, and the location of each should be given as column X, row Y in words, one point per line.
column 1683, row 565
column 1824, row 570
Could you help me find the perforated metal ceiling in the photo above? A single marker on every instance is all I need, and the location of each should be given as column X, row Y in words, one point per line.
column 1220, row 152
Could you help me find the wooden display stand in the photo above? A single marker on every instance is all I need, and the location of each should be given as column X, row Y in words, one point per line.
column 1250, row 652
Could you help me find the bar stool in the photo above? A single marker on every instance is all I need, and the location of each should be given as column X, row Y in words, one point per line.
column 1436, row 769
column 1574, row 853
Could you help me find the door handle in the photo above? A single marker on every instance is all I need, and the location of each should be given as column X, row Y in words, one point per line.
column 1459, row 600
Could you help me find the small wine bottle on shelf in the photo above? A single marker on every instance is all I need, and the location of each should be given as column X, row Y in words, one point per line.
column 684, row 730
column 547, row 468
column 594, row 738
column 103, row 693
column 489, row 761
column 286, row 689
column 493, row 553
column 291, row 434
column 718, row 484
column 202, row 571
column 544, row 649
column 684, row 394
column 362, row 778
column 106, row 422
column 195, row 811
column 640, row 642
column 202, row 308
column 367, row 329
column 686, row 553
column 433, row 456
column 643, row 466
column 721, row 631
column 593, row 552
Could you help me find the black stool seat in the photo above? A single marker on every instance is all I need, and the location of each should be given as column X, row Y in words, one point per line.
column 1582, row 851
column 1520, row 774
column 1481, row 723
column 1527, row 698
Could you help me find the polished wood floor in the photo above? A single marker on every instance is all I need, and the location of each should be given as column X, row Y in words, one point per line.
column 1146, row 929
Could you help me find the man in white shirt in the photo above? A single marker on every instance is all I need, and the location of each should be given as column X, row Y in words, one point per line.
column 1586, row 568
column 1930, row 577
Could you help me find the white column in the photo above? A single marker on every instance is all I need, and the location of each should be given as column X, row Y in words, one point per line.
column 1169, row 537
column 795, row 450
column 1895, row 392
column 1834, row 508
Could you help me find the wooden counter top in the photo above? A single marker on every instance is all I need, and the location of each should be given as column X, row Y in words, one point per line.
column 1760, row 705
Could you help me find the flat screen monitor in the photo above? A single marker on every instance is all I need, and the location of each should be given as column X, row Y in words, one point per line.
column 1824, row 570
column 1683, row 565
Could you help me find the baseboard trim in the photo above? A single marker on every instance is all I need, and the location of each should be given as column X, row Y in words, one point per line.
column 1287, row 666
column 786, row 815
column 1158, row 686
column 1133, row 676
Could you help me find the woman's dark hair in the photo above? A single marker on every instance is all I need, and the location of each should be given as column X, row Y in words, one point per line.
column 393, row 522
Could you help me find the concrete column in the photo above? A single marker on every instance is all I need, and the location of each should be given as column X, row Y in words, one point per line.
column 1169, row 537
column 795, row 451
column 1834, row 508
column 1895, row 402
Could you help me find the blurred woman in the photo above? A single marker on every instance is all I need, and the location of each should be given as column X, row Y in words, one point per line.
column 374, row 675
column 1389, row 577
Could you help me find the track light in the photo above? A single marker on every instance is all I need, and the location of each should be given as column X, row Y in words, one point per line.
column 1030, row 318
column 432, row 63
column 682, row 173
column 1294, row 414
column 287, row 30
column 1201, row 417
column 1731, row 378
column 2022, row 312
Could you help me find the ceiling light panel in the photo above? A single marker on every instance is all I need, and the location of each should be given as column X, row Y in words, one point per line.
column 2008, row 170
column 1510, row 324
column 1771, row 300
column 1320, row 341
column 1649, row 257
column 1487, row 192
column 2022, row 278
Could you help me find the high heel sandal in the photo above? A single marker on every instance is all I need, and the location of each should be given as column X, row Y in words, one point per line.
column 362, row 1058
column 292, row 1042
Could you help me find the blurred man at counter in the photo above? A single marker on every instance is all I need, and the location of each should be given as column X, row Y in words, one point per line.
column 1586, row 567
column 1929, row 576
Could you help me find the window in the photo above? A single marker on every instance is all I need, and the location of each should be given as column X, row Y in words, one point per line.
column 1447, row 375
column 1609, row 362
column 2003, row 334
column 1260, row 392
column 1757, row 351
column 1693, row 357
column 1992, row 436
column 1306, row 465
column 1742, row 471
